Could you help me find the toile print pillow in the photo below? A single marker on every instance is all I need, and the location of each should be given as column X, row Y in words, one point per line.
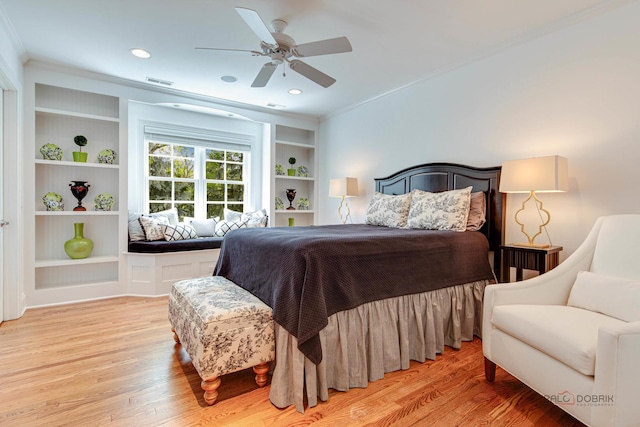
column 152, row 227
column 388, row 211
column 447, row 210
column 178, row 232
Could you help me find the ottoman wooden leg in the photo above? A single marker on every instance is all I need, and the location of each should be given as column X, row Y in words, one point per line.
column 210, row 388
column 261, row 373
column 176, row 338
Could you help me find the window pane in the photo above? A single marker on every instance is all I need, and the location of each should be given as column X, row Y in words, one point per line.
column 183, row 168
column 215, row 155
column 215, row 170
column 185, row 191
column 159, row 166
column 155, row 148
column 159, row 190
column 235, row 193
column 183, row 151
column 234, row 172
column 185, row 209
column 215, row 192
column 237, row 208
column 234, row 157
column 157, row 207
column 215, row 210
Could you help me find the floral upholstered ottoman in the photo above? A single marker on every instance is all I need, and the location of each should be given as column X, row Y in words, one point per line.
column 223, row 328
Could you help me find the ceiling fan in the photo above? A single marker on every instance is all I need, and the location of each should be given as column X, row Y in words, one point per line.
column 281, row 48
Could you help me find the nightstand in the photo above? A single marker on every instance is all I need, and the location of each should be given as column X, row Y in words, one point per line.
column 527, row 258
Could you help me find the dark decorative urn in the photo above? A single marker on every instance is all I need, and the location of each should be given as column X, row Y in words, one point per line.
column 291, row 194
column 79, row 189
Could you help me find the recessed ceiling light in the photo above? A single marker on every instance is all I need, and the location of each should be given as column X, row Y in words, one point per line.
column 229, row 79
column 295, row 91
column 140, row 53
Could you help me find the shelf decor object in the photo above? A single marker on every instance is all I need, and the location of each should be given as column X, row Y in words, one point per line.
column 51, row 152
column 107, row 156
column 79, row 247
column 538, row 174
column 53, row 202
column 303, row 171
column 279, row 204
column 343, row 188
column 303, row 203
column 79, row 189
column 292, row 170
column 103, row 202
column 291, row 194
column 279, row 170
column 80, row 156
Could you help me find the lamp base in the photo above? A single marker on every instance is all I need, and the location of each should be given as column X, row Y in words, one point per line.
column 531, row 245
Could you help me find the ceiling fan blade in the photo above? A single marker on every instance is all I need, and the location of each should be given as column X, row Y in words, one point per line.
column 264, row 75
column 230, row 50
column 311, row 73
column 323, row 47
column 256, row 24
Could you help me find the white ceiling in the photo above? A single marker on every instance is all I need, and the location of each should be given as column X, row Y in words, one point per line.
column 395, row 42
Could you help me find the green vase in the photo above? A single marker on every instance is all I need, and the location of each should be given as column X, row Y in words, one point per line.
column 79, row 156
column 79, row 247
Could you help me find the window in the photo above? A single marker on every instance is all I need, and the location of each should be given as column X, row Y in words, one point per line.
column 200, row 180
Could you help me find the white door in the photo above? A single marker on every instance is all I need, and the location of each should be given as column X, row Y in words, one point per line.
column 2, row 222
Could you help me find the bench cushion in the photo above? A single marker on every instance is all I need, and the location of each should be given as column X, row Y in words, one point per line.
column 161, row 246
column 568, row 334
column 223, row 327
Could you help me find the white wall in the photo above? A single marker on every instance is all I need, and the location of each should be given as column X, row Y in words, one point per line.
column 575, row 93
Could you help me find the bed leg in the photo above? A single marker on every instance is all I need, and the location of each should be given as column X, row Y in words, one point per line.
column 210, row 388
column 489, row 370
column 176, row 338
column 261, row 373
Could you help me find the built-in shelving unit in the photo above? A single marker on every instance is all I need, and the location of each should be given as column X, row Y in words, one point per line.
column 301, row 144
column 59, row 115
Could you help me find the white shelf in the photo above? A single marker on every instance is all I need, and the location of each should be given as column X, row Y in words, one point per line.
column 76, row 164
column 298, row 178
column 74, row 114
column 76, row 213
column 295, row 144
column 65, row 262
column 296, row 211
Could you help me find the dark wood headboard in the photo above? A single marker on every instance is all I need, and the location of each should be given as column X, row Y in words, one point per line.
column 434, row 177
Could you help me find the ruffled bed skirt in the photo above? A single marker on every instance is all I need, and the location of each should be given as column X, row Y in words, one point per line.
column 360, row 345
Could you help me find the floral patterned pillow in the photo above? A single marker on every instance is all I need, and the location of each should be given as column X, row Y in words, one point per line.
column 448, row 210
column 389, row 211
column 152, row 227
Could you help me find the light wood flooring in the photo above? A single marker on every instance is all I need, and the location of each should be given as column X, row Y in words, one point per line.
column 114, row 362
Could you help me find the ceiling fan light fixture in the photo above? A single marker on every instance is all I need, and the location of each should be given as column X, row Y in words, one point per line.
column 295, row 91
column 140, row 53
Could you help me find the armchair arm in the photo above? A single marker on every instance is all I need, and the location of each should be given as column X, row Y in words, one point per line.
column 617, row 375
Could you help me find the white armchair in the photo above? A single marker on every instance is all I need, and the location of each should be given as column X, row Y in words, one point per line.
column 573, row 334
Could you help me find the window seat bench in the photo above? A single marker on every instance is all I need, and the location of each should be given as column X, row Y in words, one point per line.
column 153, row 267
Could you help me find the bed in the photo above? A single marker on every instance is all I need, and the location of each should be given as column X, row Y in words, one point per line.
column 352, row 302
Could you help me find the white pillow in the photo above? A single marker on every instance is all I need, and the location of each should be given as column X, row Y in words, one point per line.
column 254, row 219
column 135, row 229
column 388, row 211
column 613, row 296
column 231, row 216
column 178, row 232
column 171, row 214
column 447, row 210
column 204, row 228
column 152, row 227
column 223, row 227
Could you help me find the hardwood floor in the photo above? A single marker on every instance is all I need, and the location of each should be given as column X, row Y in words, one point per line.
column 114, row 362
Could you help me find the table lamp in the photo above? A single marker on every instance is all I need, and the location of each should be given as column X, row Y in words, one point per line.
column 534, row 175
column 343, row 188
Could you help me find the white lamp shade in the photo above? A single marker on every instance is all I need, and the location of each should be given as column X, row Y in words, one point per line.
column 540, row 174
column 347, row 187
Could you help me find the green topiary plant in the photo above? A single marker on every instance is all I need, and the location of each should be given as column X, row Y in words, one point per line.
column 79, row 156
column 292, row 171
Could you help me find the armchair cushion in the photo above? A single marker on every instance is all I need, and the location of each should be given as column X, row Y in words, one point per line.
column 568, row 334
column 613, row 296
